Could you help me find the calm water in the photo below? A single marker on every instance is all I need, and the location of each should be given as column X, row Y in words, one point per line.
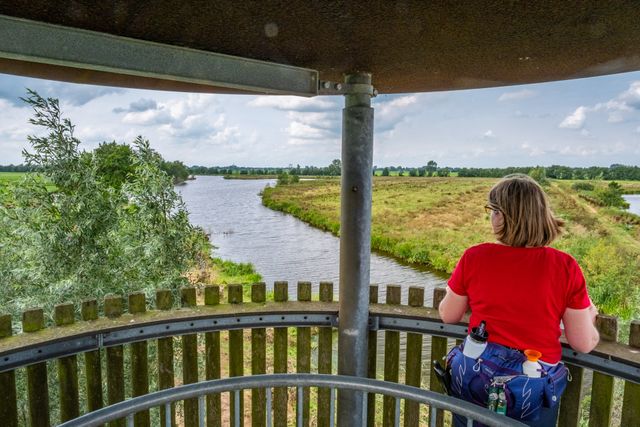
column 280, row 246
column 634, row 203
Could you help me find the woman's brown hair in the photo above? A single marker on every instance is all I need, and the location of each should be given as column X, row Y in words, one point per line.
column 528, row 220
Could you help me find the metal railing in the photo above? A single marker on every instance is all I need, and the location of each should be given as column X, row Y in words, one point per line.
column 164, row 398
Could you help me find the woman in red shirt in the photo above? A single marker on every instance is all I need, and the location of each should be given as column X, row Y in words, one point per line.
column 518, row 285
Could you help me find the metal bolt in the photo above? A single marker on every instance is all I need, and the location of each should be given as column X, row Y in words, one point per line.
column 338, row 86
column 354, row 188
column 326, row 85
column 375, row 93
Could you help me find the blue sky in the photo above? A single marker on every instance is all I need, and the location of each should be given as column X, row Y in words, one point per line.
column 583, row 122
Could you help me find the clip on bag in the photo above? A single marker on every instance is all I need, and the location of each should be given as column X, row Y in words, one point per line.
column 525, row 396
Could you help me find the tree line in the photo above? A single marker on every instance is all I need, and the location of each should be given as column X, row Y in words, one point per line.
column 613, row 172
column 115, row 162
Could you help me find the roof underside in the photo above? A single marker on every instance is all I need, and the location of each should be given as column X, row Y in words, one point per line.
column 408, row 46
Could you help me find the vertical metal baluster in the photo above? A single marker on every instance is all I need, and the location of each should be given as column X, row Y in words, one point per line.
column 433, row 415
column 236, row 416
column 332, row 407
column 299, row 406
column 396, row 423
column 167, row 414
column 201, row 410
column 130, row 420
column 365, row 400
column 269, row 407
column 469, row 422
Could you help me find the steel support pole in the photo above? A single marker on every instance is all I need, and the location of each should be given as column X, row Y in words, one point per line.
column 355, row 241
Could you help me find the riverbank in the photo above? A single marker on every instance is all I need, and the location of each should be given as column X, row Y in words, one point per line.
column 431, row 221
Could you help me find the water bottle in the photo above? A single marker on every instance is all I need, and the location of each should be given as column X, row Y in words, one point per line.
column 531, row 367
column 476, row 341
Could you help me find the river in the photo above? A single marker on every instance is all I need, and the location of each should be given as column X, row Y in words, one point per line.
column 280, row 246
column 634, row 202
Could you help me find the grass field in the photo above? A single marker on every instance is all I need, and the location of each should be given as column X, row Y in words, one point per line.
column 10, row 176
column 431, row 221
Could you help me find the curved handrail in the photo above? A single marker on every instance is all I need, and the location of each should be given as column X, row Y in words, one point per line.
column 609, row 358
column 400, row 391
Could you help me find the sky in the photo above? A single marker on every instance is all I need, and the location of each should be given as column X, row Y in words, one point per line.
column 582, row 122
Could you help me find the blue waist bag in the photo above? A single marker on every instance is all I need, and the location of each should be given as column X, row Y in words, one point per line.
column 525, row 396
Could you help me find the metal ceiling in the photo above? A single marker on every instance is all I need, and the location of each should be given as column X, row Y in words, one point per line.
column 408, row 46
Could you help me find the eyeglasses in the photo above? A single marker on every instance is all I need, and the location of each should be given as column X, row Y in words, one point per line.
column 489, row 209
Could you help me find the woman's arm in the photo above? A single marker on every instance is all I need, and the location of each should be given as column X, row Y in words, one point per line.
column 453, row 307
column 579, row 328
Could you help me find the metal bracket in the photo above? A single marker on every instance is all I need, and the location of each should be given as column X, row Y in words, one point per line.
column 326, row 87
column 374, row 323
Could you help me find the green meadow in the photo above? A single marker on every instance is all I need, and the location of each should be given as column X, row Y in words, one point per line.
column 431, row 221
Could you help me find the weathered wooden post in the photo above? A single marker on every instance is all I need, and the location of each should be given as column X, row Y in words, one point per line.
column 391, row 359
column 258, row 360
column 355, row 241
column 139, row 361
column 92, row 364
column 9, row 407
column 37, row 384
column 115, row 359
column 212, row 361
column 280, row 346
column 413, row 361
column 67, row 370
column 325, row 355
column 236, row 351
column 602, row 387
column 164, row 301
column 189, row 361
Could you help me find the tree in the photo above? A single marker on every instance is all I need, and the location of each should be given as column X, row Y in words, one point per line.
column 335, row 168
column 431, row 167
column 385, row 172
column 539, row 174
column 68, row 232
column 114, row 163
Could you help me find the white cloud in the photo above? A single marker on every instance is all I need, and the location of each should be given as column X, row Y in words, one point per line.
column 531, row 150
column 293, row 103
column 576, row 119
column 517, row 95
column 488, row 134
column 390, row 111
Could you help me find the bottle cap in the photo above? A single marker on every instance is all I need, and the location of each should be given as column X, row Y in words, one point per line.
column 532, row 355
column 480, row 333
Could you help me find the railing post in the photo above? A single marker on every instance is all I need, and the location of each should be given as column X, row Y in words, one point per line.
column 303, row 353
column 9, row 406
column 355, row 241
column 258, row 360
column 391, row 359
column 438, row 351
column 189, row 361
column 139, row 361
column 212, row 360
column 115, row 359
column 37, row 384
column 164, row 301
column 602, row 388
column 325, row 355
column 631, row 401
column 92, row 365
column 413, row 365
column 67, row 369
column 236, row 351
column 280, row 351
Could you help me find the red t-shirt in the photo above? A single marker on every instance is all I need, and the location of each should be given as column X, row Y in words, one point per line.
column 521, row 293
